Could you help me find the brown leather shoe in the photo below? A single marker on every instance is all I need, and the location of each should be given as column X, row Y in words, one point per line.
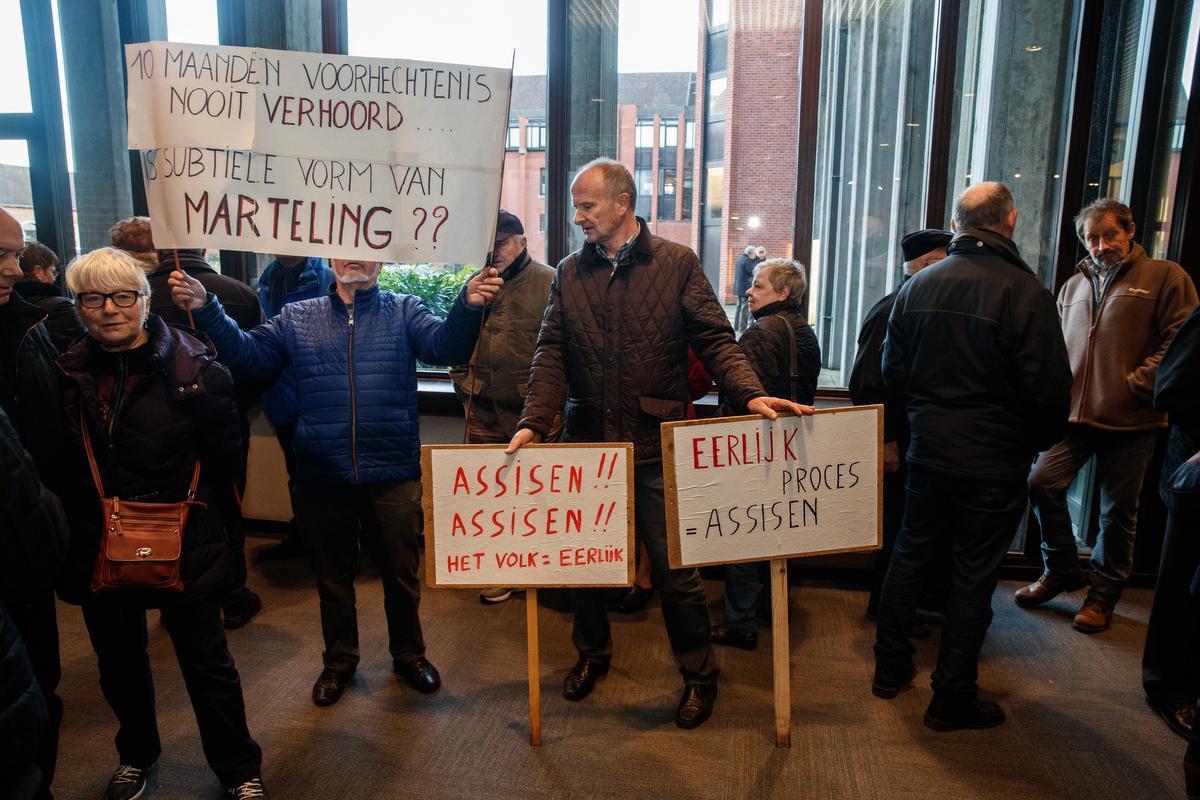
column 696, row 704
column 1046, row 588
column 1094, row 617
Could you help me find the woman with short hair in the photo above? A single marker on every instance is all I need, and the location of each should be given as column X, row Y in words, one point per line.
column 151, row 402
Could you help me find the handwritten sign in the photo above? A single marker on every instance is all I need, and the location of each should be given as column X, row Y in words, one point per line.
column 748, row 489
column 549, row 515
column 310, row 154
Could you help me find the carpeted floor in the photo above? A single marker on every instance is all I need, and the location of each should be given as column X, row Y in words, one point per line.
column 1077, row 728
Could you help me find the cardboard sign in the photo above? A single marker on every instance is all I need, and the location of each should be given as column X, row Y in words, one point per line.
column 548, row 515
column 748, row 489
column 322, row 155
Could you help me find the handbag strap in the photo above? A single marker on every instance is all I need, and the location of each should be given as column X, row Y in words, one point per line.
column 793, row 366
column 91, row 456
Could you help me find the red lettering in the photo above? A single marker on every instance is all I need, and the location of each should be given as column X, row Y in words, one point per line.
column 460, row 481
column 574, row 518
column 222, row 213
column 483, row 485
column 276, row 203
column 788, row 437
column 457, row 528
column 200, row 207
column 533, row 478
column 247, row 216
column 731, row 444
column 385, row 234
column 551, row 522
column 696, row 455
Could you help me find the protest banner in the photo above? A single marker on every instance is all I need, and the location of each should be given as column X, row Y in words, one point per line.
column 548, row 515
column 322, row 155
column 742, row 489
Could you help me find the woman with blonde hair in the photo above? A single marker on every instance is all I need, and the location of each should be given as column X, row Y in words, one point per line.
column 151, row 419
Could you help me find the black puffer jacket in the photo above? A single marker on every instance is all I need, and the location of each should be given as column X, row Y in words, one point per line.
column 151, row 412
column 613, row 346
column 975, row 347
column 765, row 345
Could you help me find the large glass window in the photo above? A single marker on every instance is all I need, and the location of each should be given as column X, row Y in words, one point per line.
column 496, row 32
column 15, row 99
column 1011, row 113
column 873, row 121
column 15, row 193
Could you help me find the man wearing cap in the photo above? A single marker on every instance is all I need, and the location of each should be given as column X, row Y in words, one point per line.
column 1119, row 312
column 867, row 387
column 492, row 386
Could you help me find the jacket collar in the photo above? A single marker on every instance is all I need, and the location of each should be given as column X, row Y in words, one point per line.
column 16, row 318
column 177, row 354
column 778, row 307
column 187, row 262
column 363, row 298
column 517, row 266
column 970, row 241
column 1137, row 254
column 33, row 289
column 640, row 252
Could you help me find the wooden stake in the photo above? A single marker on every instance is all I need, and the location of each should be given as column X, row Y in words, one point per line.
column 535, row 698
column 779, row 652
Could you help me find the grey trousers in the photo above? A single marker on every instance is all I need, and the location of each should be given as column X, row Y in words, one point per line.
column 1121, row 458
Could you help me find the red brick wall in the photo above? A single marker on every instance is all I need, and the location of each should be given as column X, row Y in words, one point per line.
column 519, row 192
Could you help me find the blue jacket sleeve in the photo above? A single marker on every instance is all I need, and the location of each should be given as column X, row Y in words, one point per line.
column 438, row 342
column 260, row 352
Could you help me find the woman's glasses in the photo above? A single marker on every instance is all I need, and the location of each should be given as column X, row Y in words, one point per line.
column 96, row 299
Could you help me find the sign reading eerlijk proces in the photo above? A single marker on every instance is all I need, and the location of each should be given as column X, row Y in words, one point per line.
column 311, row 154
column 750, row 489
column 548, row 515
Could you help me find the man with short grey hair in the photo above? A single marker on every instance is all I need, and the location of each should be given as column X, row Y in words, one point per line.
column 974, row 349
column 612, row 358
column 1119, row 312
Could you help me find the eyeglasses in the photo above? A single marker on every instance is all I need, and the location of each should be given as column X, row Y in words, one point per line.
column 123, row 299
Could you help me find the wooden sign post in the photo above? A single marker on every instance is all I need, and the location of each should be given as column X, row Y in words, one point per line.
column 742, row 489
column 548, row 515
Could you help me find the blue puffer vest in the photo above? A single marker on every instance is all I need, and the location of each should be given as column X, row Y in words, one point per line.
column 356, row 379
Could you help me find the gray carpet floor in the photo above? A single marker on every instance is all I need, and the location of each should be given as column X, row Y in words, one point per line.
column 1078, row 726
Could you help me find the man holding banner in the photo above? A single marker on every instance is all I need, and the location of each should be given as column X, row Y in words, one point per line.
column 612, row 358
column 356, row 442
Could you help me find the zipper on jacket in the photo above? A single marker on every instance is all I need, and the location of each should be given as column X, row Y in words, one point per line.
column 353, row 399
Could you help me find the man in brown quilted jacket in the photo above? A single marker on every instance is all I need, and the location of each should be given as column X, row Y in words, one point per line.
column 612, row 358
column 1119, row 312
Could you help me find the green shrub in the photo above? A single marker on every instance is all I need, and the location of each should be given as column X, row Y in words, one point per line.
column 436, row 286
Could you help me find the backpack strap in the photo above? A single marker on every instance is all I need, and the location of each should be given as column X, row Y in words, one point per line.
column 793, row 365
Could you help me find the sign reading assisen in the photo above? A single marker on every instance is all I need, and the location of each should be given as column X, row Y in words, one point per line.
column 549, row 515
column 310, row 154
column 748, row 489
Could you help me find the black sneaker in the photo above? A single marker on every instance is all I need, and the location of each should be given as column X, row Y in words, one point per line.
column 250, row 790
column 127, row 783
column 956, row 714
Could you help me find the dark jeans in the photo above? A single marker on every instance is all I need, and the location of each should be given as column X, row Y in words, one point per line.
column 386, row 518
column 741, row 315
column 978, row 516
column 937, row 585
column 1171, row 659
column 237, row 534
column 37, row 623
column 119, row 637
column 684, row 606
column 1121, row 458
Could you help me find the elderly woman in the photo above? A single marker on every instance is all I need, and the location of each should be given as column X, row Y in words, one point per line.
column 151, row 402
column 784, row 353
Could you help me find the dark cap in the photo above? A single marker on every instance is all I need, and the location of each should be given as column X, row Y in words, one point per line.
column 919, row 243
column 507, row 225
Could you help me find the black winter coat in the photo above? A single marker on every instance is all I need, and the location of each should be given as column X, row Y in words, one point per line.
column 147, row 439
column 62, row 323
column 613, row 346
column 766, row 348
column 975, row 348
column 30, row 387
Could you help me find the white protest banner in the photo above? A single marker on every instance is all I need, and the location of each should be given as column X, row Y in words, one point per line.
column 548, row 515
column 311, row 154
column 749, row 489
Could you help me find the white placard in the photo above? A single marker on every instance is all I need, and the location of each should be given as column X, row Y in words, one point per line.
column 549, row 515
column 748, row 489
column 310, row 154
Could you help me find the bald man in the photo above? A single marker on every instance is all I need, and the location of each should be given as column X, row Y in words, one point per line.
column 34, row 404
column 975, row 351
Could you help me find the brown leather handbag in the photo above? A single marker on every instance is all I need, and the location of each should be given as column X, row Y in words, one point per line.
column 140, row 543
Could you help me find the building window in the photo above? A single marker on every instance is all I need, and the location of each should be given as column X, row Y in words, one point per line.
column 686, row 212
column 666, row 194
column 689, row 135
column 716, row 97
column 514, row 137
column 535, row 136
column 643, row 134
column 542, row 182
column 668, row 134
column 643, row 181
column 542, row 222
